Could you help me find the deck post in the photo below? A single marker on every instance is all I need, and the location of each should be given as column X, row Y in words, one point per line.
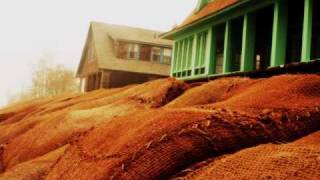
column 186, row 45
column 279, row 33
column 102, row 78
column 227, row 64
column 307, row 31
column 209, row 61
column 248, row 43
column 194, row 54
column 183, row 56
column 178, row 68
column 173, row 59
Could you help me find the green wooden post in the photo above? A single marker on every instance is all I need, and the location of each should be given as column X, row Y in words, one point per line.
column 173, row 58
column 190, row 46
column 213, row 49
column 199, row 50
column 248, row 43
column 178, row 56
column 194, row 54
column 187, row 53
column 307, row 31
column 183, row 55
column 279, row 33
column 227, row 64
column 208, row 56
column 186, row 50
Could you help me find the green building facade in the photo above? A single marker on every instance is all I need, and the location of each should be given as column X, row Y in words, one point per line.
column 247, row 35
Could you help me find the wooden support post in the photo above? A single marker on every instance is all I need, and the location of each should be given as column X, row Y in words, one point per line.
column 81, row 84
column 183, row 55
column 177, row 57
column 190, row 46
column 89, row 82
column 86, row 85
column 279, row 33
column 210, row 49
column 248, row 43
column 102, row 80
column 307, row 31
column 194, row 54
column 185, row 48
column 96, row 81
column 199, row 50
column 227, row 64
column 180, row 56
column 173, row 59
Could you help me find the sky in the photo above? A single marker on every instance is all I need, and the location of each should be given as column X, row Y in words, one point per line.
column 57, row 29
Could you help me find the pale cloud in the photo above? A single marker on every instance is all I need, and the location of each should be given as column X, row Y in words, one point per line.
column 29, row 29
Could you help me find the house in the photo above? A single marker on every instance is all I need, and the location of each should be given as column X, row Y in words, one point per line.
column 115, row 56
column 223, row 37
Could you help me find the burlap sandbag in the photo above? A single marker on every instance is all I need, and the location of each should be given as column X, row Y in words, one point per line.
column 298, row 160
column 157, row 144
column 56, row 129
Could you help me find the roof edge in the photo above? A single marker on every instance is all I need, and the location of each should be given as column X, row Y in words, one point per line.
column 169, row 35
column 84, row 49
column 142, row 42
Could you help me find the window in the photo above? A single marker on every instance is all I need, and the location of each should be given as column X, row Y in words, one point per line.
column 122, row 50
column 166, row 56
column 133, row 51
column 155, row 54
column 145, row 53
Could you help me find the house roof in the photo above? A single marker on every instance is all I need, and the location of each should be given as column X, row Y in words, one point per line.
column 126, row 33
column 102, row 36
column 211, row 8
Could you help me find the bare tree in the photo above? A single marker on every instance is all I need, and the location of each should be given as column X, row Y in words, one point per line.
column 49, row 80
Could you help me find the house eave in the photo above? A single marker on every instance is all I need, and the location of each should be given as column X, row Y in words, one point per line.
column 171, row 34
column 143, row 42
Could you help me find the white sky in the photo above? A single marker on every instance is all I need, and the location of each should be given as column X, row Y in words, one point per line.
column 31, row 29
